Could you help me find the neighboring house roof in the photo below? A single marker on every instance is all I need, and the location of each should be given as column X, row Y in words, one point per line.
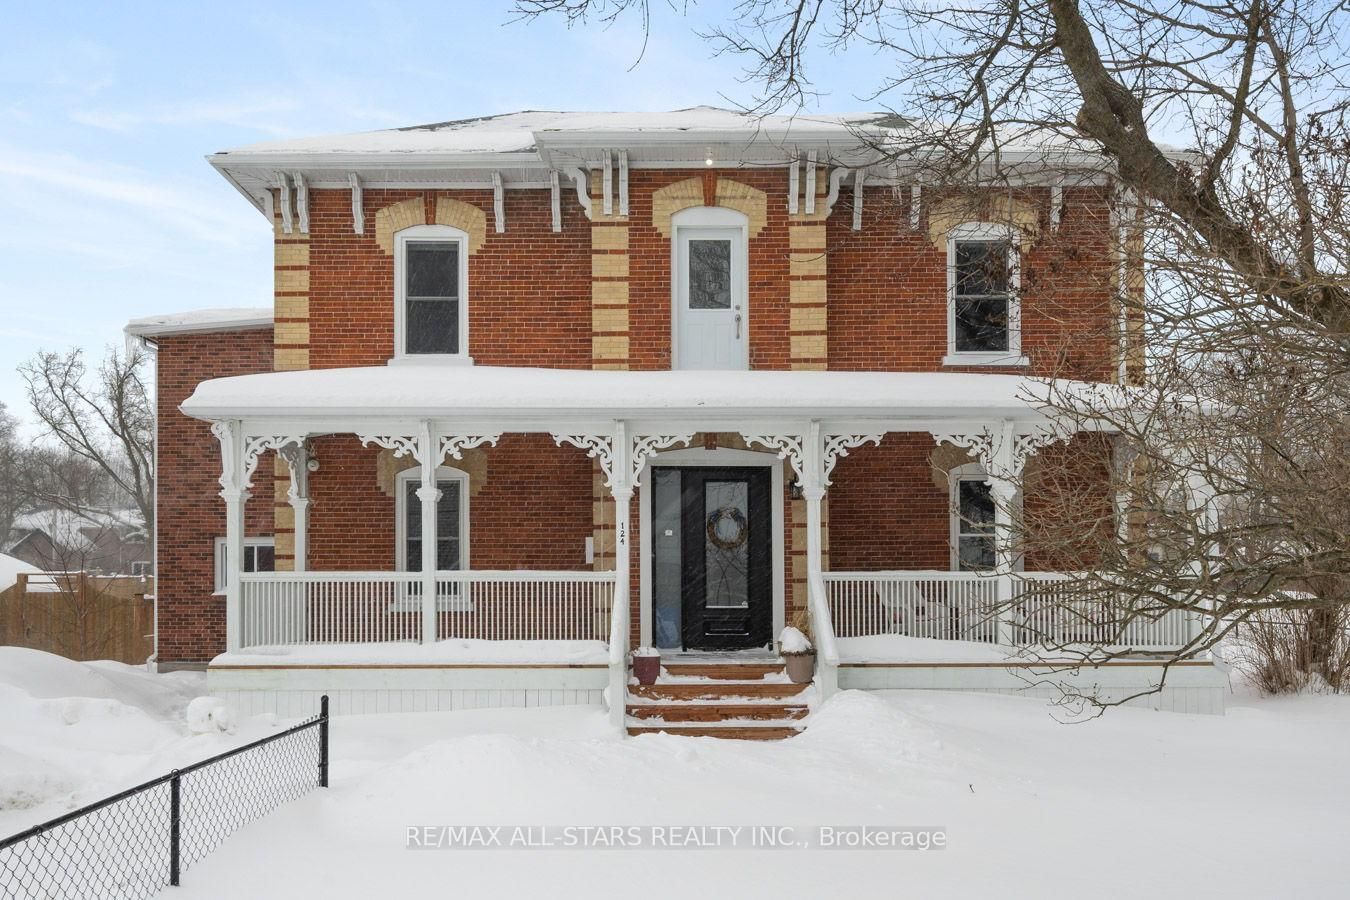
column 551, row 395
column 218, row 319
column 11, row 568
column 77, row 531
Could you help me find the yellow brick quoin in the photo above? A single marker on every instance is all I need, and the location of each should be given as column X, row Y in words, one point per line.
column 609, row 237
column 609, row 265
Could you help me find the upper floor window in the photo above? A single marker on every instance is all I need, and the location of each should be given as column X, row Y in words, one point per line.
column 983, row 312
column 431, row 313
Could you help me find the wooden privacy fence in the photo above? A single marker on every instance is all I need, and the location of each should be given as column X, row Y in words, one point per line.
column 80, row 616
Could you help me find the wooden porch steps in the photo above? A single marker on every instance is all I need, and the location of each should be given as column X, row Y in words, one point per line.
column 750, row 700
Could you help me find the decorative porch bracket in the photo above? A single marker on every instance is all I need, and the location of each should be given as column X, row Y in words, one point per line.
column 621, row 457
column 1003, row 452
column 297, row 461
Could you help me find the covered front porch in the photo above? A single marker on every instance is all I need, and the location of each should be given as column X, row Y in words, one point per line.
column 433, row 635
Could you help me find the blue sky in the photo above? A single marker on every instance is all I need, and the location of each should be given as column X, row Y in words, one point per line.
column 108, row 210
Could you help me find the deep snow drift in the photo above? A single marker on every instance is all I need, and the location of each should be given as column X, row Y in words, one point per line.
column 1136, row 803
column 74, row 732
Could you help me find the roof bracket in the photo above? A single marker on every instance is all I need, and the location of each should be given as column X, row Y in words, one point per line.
column 794, row 175
column 859, row 178
column 837, row 176
column 284, row 184
column 915, row 205
column 607, row 185
column 1056, row 204
column 498, row 203
column 581, row 180
column 623, row 182
column 358, row 209
column 302, row 201
column 811, row 182
column 555, row 195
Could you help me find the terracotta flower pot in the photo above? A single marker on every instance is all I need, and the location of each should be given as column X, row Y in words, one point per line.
column 646, row 668
column 800, row 667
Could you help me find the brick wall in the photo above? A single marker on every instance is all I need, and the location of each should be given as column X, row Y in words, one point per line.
column 191, row 513
column 598, row 294
column 886, row 512
column 888, row 289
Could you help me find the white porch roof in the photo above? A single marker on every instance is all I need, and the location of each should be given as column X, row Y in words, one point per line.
column 524, row 395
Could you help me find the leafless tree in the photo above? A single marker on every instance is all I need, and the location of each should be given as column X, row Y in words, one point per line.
column 1230, row 310
column 103, row 419
column 14, row 495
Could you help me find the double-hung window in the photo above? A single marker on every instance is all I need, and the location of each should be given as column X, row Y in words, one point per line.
column 984, row 315
column 431, row 316
column 972, row 524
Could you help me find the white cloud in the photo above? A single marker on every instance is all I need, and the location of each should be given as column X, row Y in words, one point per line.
column 184, row 207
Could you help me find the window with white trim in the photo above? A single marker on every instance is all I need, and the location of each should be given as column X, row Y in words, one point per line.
column 983, row 312
column 259, row 556
column 972, row 520
column 431, row 312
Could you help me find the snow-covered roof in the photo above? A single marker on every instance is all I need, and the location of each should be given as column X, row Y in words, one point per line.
column 76, row 530
column 556, row 395
column 233, row 318
column 11, row 569
column 523, row 132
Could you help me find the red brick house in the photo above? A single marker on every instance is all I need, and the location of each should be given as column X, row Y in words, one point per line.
column 736, row 372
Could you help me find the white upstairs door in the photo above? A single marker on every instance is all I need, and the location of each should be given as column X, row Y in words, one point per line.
column 711, row 283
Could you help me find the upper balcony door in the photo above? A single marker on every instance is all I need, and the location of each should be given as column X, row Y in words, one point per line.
column 711, row 324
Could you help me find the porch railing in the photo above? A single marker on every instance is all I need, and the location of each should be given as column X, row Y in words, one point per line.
column 950, row 606
column 1058, row 609
column 1045, row 609
column 296, row 608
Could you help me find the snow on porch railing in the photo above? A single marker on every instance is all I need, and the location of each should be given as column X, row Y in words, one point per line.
column 950, row 606
column 1046, row 609
column 290, row 608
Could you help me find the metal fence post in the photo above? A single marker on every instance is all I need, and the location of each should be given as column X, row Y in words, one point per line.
column 175, row 808
column 323, row 741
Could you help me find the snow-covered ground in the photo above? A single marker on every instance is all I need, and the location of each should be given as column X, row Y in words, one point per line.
column 72, row 733
column 1136, row 803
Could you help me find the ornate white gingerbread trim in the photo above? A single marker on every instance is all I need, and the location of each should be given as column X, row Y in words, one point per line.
column 454, row 445
column 838, row 445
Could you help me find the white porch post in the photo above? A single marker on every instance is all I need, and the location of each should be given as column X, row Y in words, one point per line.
column 233, row 490
column 429, row 495
column 812, row 455
column 813, row 492
column 621, row 488
column 1200, row 500
column 297, row 460
column 621, row 455
column 1003, row 489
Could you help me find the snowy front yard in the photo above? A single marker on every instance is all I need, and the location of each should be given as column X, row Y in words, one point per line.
column 1138, row 803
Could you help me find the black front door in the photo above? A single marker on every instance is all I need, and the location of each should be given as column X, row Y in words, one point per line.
column 721, row 565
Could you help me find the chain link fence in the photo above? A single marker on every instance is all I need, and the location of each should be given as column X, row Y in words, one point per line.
column 135, row 843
